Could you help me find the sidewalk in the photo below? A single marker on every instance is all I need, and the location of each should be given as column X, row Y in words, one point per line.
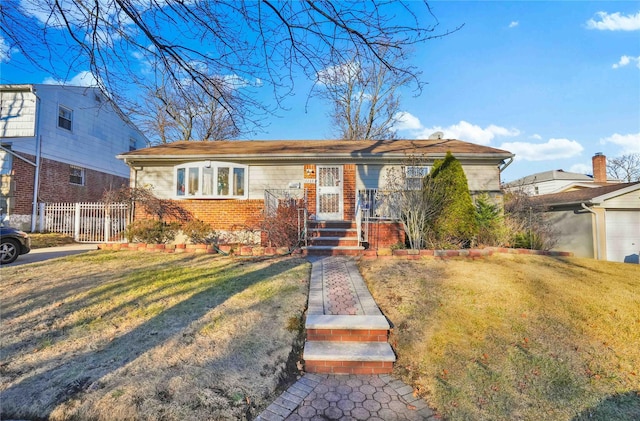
column 336, row 288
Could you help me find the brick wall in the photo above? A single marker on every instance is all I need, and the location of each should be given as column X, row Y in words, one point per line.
column 384, row 234
column 221, row 214
column 228, row 215
column 310, row 188
column 55, row 186
column 349, row 191
column 23, row 174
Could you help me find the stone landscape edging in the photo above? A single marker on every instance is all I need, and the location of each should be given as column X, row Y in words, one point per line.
column 411, row 254
column 383, row 253
column 197, row 248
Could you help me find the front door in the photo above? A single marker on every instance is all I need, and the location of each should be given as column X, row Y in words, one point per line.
column 329, row 192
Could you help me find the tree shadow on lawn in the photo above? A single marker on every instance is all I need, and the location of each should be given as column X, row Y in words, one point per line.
column 44, row 294
column 129, row 280
column 618, row 407
column 53, row 382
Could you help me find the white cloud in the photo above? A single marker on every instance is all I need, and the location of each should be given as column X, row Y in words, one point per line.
column 535, row 136
column 604, row 21
column 552, row 149
column 581, row 169
column 630, row 143
column 462, row 130
column 5, row 51
column 407, row 121
column 84, row 78
column 338, row 74
column 626, row 60
column 514, row 24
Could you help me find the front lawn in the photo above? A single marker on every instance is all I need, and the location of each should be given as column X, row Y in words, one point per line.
column 515, row 337
column 128, row 335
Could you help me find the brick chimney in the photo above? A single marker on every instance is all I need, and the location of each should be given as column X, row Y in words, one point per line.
column 599, row 168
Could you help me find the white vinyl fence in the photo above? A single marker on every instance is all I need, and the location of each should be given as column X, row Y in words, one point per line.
column 86, row 222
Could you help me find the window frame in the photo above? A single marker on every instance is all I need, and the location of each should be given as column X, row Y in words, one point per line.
column 206, row 175
column 413, row 182
column 62, row 117
column 83, row 175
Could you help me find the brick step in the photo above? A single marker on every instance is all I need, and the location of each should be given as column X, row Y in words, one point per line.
column 333, row 232
column 343, row 328
column 348, row 357
column 332, row 224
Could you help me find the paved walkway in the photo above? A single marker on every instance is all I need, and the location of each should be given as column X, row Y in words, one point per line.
column 336, row 288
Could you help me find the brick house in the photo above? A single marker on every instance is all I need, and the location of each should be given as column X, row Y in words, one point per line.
column 228, row 183
column 62, row 139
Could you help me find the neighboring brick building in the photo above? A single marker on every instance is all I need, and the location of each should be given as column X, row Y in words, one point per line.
column 72, row 134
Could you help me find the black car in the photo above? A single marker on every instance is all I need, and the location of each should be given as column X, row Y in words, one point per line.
column 13, row 243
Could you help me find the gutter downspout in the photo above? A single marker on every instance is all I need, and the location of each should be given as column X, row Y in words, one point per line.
column 504, row 165
column 588, row 209
column 36, row 181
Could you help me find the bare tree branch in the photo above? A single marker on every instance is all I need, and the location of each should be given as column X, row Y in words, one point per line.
column 196, row 45
column 624, row 168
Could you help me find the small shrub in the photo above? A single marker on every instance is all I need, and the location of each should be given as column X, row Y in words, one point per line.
column 152, row 232
column 199, row 232
column 527, row 225
column 282, row 228
column 492, row 230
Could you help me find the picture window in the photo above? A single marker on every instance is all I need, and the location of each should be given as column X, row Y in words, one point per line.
column 216, row 180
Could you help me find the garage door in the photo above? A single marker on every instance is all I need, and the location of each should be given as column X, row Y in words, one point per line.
column 623, row 235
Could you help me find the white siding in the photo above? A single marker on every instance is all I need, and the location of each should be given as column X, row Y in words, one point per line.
column 273, row 177
column 98, row 133
column 161, row 179
column 574, row 232
column 482, row 177
column 260, row 178
column 630, row 200
column 372, row 176
column 479, row 177
column 17, row 114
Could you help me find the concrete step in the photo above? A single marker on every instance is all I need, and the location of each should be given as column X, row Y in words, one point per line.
column 333, row 250
column 348, row 357
column 334, row 241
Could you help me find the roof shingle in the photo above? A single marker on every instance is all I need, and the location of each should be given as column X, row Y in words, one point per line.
column 292, row 148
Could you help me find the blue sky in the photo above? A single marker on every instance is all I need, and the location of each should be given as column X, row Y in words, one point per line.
column 552, row 82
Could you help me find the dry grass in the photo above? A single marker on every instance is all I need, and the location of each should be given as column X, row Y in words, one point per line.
column 127, row 335
column 515, row 337
column 49, row 240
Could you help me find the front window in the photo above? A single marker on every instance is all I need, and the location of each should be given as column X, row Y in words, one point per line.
column 414, row 176
column 217, row 180
column 65, row 118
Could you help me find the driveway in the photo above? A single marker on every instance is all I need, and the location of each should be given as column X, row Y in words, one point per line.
column 42, row 254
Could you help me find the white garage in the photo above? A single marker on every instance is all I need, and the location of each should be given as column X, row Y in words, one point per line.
column 600, row 222
column 623, row 235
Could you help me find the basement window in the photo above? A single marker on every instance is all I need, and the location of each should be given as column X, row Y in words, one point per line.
column 211, row 180
column 76, row 175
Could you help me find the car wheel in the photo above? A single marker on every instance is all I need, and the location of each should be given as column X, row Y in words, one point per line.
column 9, row 251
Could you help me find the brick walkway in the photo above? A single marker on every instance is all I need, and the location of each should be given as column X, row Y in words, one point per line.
column 336, row 288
